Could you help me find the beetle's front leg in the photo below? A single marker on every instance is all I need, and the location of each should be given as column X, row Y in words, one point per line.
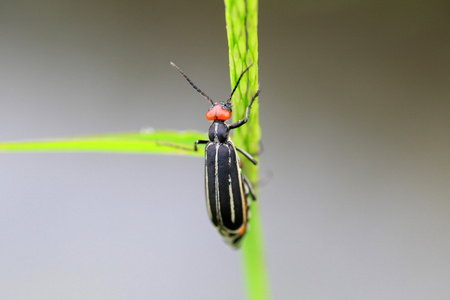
column 243, row 121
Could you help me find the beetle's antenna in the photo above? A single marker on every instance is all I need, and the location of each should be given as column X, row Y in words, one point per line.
column 237, row 83
column 191, row 83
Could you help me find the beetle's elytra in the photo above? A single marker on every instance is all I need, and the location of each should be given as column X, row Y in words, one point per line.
column 227, row 189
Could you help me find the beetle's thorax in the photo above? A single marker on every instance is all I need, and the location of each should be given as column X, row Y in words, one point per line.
column 218, row 132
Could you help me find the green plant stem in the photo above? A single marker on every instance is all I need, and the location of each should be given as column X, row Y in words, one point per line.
column 169, row 142
column 242, row 21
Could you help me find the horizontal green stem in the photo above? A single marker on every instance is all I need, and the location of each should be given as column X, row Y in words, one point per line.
column 156, row 142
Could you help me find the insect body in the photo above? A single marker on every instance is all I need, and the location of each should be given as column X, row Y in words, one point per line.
column 227, row 189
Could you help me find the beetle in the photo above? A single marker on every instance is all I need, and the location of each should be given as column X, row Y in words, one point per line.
column 227, row 189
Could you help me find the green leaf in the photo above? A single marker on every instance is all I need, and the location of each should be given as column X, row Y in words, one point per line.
column 242, row 22
column 168, row 142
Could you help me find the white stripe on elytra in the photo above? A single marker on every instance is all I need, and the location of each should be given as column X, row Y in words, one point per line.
column 216, row 173
column 230, row 188
column 241, row 188
column 208, row 204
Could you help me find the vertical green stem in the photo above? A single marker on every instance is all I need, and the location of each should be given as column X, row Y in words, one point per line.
column 242, row 22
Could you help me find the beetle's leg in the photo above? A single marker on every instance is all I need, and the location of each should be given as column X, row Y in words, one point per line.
column 173, row 145
column 249, row 186
column 246, row 154
column 199, row 142
column 243, row 121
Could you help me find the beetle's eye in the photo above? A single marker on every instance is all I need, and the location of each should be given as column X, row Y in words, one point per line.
column 227, row 106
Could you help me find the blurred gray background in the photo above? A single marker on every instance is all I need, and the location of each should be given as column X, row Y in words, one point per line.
column 355, row 112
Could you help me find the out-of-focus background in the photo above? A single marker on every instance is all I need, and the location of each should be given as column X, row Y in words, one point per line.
column 355, row 112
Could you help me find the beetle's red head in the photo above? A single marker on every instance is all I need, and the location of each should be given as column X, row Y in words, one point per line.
column 219, row 111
